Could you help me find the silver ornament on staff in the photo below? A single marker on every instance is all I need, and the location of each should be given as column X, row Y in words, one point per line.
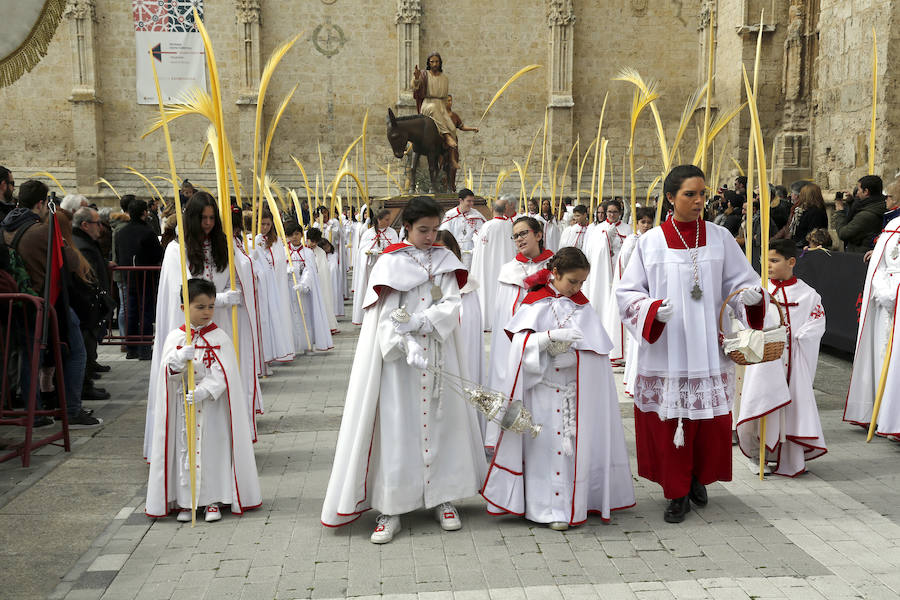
column 510, row 415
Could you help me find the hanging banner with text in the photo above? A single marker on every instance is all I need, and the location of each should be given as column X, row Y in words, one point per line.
column 165, row 32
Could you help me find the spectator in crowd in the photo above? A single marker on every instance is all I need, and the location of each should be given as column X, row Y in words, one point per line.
column 734, row 209
column 740, row 187
column 808, row 214
column 859, row 221
column 120, row 220
column 819, row 238
column 86, row 228
column 153, row 217
column 25, row 230
column 105, row 239
column 72, row 202
column 891, row 203
column 7, row 185
column 780, row 211
column 138, row 246
column 187, row 190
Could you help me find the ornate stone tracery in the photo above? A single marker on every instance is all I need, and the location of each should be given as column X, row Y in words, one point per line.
column 80, row 9
column 409, row 12
column 561, row 12
column 248, row 11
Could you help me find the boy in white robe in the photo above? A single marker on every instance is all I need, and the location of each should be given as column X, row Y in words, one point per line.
column 782, row 390
column 313, row 237
column 493, row 247
column 225, row 467
column 575, row 234
column 559, row 369
column 303, row 279
column 464, row 222
column 877, row 327
column 408, row 439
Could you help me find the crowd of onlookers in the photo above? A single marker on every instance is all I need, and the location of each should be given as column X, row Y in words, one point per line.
column 799, row 214
column 97, row 246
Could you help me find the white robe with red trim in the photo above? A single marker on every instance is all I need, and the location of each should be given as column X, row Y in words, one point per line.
column 334, row 269
column 225, row 463
column 333, row 231
column 463, row 226
column 876, row 324
column 493, row 247
column 574, row 235
column 273, row 264
column 681, row 369
column 631, row 343
column 169, row 315
column 782, row 390
column 329, row 293
column 408, row 439
column 371, row 244
column 603, row 247
column 578, row 463
column 314, row 308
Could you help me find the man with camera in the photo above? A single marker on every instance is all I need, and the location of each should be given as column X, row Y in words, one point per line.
column 858, row 217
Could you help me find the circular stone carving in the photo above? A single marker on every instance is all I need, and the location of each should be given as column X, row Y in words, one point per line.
column 328, row 39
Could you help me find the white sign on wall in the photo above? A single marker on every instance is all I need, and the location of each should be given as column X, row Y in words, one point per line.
column 165, row 32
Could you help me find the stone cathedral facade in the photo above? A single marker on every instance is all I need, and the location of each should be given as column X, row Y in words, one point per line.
column 76, row 114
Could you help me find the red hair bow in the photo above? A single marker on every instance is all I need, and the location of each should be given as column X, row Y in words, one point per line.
column 542, row 277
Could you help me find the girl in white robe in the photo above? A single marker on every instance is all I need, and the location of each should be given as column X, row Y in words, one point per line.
column 671, row 293
column 559, row 369
column 304, row 271
column 782, row 390
column 313, row 238
column 408, row 439
column 225, row 467
column 371, row 244
column 208, row 259
column 512, row 287
column 877, row 324
column 552, row 229
column 334, row 270
column 271, row 257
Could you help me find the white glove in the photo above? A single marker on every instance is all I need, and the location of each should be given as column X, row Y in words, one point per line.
column 293, row 269
column 664, row 312
column 178, row 360
column 557, row 335
column 883, row 296
column 752, row 296
column 198, row 395
column 302, row 288
column 564, row 360
column 415, row 354
column 416, row 324
column 229, row 298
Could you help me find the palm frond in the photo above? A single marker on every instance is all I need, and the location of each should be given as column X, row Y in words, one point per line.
column 506, row 85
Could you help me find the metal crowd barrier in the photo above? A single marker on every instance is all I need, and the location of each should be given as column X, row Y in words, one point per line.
column 142, row 282
column 22, row 323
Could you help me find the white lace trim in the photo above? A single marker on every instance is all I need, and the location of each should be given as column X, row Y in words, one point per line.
column 689, row 397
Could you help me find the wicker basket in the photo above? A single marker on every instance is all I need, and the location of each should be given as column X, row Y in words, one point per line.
column 774, row 338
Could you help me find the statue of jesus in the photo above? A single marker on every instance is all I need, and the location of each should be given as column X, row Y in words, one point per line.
column 430, row 89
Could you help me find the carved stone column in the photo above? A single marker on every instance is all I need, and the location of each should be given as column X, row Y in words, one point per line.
column 247, row 17
column 87, row 115
column 561, row 22
column 792, row 143
column 409, row 17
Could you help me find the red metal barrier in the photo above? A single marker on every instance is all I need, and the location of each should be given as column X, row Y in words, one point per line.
column 141, row 283
column 22, row 313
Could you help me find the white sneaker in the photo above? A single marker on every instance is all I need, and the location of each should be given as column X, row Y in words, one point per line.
column 559, row 526
column 448, row 517
column 213, row 512
column 184, row 515
column 385, row 528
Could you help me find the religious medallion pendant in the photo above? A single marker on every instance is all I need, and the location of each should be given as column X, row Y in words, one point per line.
column 436, row 293
column 696, row 292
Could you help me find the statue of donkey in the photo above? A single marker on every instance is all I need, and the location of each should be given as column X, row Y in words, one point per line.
column 423, row 133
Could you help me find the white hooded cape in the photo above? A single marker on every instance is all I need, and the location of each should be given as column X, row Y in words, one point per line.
column 314, row 309
column 578, row 464
column 493, row 247
column 389, row 456
column 371, row 244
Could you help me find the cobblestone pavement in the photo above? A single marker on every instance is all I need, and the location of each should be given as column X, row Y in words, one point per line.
column 72, row 526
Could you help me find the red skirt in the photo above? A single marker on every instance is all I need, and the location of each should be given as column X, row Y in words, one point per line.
column 706, row 453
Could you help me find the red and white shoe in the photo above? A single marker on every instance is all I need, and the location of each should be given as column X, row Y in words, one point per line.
column 385, row 528
column 213, row 512
column 448, row 517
